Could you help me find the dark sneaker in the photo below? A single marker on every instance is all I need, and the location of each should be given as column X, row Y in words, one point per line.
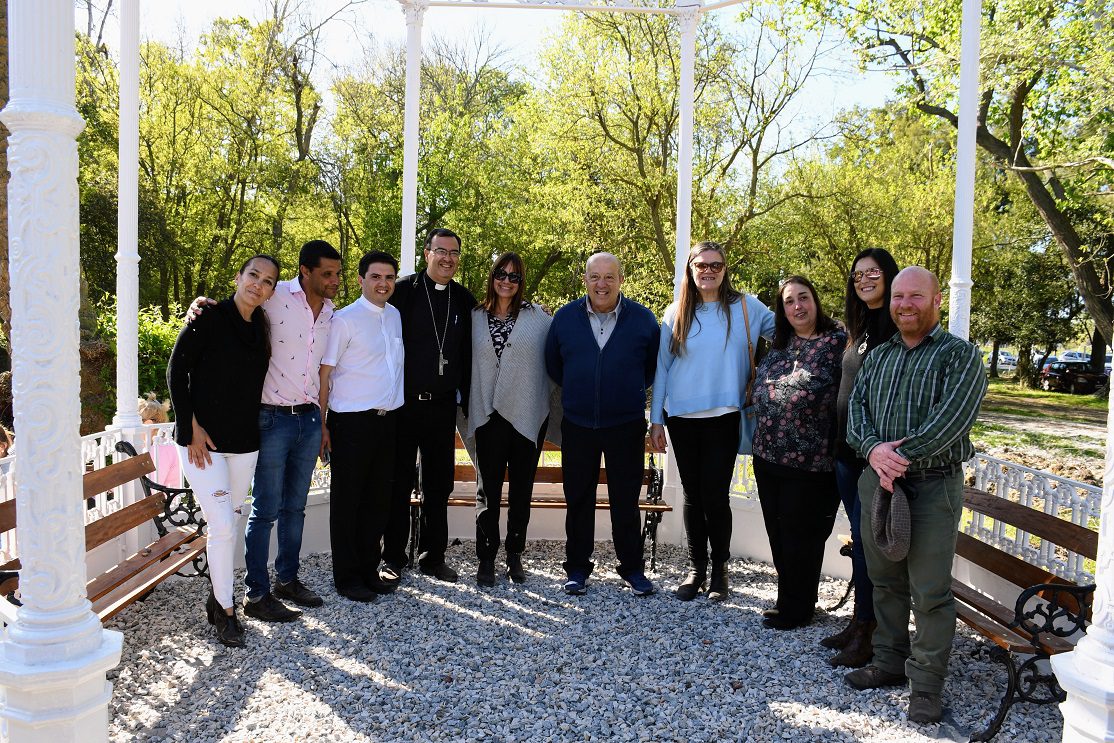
column 297, row 592
column 577, row 584
column 639, row 584
column 380, row 586
column 440, row 572
column 925, row 707
column 873, row 677
column 270, row 609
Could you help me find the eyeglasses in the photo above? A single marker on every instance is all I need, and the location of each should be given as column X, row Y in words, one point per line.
column 442, row 253
column 501, row 275
column 714, row 267
column 870, row 273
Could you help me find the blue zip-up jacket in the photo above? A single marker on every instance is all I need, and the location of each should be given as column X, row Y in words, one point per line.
column 604, row 387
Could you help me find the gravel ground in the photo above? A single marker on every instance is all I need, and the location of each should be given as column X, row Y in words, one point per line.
column 438, row 661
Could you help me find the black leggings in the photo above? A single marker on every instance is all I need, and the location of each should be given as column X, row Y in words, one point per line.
column 501, row 450
column 706, row 449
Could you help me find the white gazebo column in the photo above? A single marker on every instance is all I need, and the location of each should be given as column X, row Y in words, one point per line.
column 1087, row 673
column 414, row 11
column 963, row 227
column 127, row 247
column 689, row 20
column 54, row 657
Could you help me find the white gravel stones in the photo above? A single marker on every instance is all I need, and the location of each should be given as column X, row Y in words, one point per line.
column 439, row 661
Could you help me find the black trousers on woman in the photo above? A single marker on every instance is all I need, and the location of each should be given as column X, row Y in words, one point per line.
column 706, row 449
column 799, row 509
column 363, row 464
column 503, row 451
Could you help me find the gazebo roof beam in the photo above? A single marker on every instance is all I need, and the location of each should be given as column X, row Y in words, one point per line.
column 580, row 5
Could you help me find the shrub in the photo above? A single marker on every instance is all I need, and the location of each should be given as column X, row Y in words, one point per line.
column 156, row 341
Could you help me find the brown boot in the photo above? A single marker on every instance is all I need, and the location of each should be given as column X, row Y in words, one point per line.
column 840, row 639
column 859, row 650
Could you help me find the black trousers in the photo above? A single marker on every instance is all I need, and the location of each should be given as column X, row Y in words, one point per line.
column 429, row 428
column 706, row 450
column 363, row 465
column 503, row 451
column 799, row 510
column 623, row 449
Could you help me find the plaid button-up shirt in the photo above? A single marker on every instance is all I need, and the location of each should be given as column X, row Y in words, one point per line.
column 929, row 395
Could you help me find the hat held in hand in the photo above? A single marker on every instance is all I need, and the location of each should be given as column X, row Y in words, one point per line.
column 889, row 522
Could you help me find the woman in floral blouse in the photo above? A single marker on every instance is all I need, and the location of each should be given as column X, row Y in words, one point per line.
column 795, row 392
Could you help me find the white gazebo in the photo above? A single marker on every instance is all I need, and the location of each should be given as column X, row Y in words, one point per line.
column 54, row 654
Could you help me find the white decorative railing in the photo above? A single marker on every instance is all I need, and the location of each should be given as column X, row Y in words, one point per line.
column 1058, row 496
column 1066, row 499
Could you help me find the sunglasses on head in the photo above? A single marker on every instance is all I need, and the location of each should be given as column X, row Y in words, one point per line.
column 870, row 273
column 714, row 267
column 503, row 275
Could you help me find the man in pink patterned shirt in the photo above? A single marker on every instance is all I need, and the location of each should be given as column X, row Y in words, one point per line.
column 299, row 314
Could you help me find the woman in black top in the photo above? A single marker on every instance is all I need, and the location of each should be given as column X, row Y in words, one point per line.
column 867, row 310
column 215, row 376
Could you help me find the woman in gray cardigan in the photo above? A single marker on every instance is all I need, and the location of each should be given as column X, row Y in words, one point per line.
column 510, row 403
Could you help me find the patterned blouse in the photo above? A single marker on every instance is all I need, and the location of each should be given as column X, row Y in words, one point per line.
column 500, row 330
column 795, row 395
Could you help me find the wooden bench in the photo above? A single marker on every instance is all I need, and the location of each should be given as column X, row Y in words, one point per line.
column 651, row 503
column 1048, row 610
column 176, row 518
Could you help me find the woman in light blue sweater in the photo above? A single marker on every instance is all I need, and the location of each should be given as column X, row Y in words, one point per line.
column 699, row 390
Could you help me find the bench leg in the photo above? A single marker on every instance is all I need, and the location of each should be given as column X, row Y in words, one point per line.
column 415, row 532
column 650, row 530
column 1003, row 657
column 846, row 595
column 1026, row 683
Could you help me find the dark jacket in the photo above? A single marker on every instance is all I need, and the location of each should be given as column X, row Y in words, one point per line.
column 604, row 387
column 216, row 374
column 419, row 337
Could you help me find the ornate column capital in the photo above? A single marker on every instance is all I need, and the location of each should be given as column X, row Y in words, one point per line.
column 414, row 11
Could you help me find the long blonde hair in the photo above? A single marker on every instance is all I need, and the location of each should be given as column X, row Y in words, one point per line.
column 150, row 409
column 691, row 300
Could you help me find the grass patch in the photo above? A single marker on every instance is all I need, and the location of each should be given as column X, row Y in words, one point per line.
column 1004, row 390
column 987, row 435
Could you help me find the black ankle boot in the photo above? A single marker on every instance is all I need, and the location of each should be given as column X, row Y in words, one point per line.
column 485, row 574
column 229, row 630
column 212, row 608
column 717, row 586
column 693, row 582
column 514, row 567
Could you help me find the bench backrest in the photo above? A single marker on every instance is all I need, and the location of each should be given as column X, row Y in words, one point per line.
column 546, row 473
column 1023, row 574
column 101, row 481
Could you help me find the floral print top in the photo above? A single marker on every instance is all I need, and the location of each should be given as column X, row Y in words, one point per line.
column 500, row 329
column 794, row 394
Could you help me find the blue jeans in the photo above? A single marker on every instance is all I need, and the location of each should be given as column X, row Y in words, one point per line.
column 288, row 446
column 847, row 480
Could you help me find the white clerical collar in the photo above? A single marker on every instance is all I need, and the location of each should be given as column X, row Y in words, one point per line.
column 364, row 301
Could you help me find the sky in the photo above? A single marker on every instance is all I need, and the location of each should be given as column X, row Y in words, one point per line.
column 521, row 32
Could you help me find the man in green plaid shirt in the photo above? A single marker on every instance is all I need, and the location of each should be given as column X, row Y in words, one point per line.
column 910, row 415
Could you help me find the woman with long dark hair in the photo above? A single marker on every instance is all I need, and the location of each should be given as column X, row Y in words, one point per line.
column 215, row 376
column 510, row 400
column 867, row 311
column 794, row 465
column 699, row 391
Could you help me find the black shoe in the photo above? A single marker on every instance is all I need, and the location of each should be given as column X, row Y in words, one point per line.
column 390, row 573
column 362, row 594
column 717, row 586
column 781, row 623
column 380, row 586
column 270, row 609
column 229, row 630
column 297, row 592
column 925, row 707
column 692, row 585
column 514, row 567
column 485, row 574
column 212, row 608
column 440, row 572
column 873, row 677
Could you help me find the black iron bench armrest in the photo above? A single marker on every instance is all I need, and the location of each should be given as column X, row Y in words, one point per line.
column 1051, row 616
column 180, row 509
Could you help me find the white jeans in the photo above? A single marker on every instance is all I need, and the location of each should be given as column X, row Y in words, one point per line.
column 221, row 489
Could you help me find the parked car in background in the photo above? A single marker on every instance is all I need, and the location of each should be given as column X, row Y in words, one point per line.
column 1006, row 361
column 1106, row 366
column 1071, row 376
column 1075, row 356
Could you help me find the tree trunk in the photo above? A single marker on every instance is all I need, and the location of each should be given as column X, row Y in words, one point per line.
column 1025, row 375
column 994, row 359
column 1098, row 351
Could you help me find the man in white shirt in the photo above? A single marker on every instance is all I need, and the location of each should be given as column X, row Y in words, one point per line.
column 361, row 390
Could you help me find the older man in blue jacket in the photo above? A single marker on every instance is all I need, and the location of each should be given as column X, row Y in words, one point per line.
column 602, row 351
